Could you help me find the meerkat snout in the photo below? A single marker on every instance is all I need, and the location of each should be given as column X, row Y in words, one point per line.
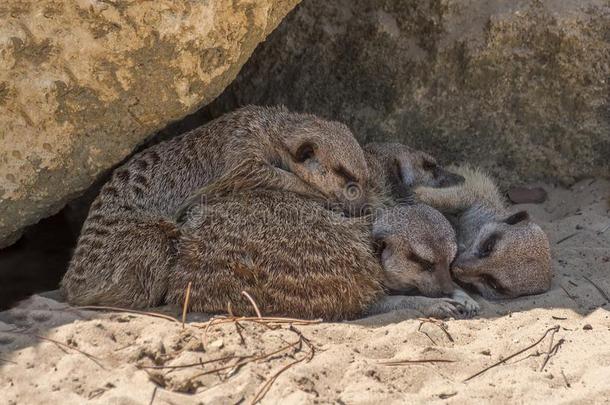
column 507, row 259
column 417, row 245
column 326, row 156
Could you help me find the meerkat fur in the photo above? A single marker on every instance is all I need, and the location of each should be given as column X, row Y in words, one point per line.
column 501, row 255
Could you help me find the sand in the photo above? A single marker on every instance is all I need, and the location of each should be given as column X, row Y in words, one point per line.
column 106, row 358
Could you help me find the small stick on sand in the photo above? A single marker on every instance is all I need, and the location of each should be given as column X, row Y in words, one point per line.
column 440, row 324
column 130, row 311
column 91, row 357
column 267, row 385
column 425, row 333
column 565, row 379
column 258, row 312
column 248, row 359
column 238, row 328
column 152, row 397
column 186, row 303
column 598, row 288
column 548, row 353
column 188, row 365
column 570, row 236
column 408, row 362
column 554, row 328
column 552, row 351
column 264, row 389
column 567, row 293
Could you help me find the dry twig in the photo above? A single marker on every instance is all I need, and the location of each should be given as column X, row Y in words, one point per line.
column 598, row 288
column 187, row 298
column 554, row 328
column 420, row 361
column 152, row 397
column 566, row 238
column 567, row 293
column 130, row 311
column 552, row 351
column 91, row 357
column 438, row 323
column 249, row 297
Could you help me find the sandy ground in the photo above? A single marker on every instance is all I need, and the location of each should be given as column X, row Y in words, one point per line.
column 109, row 358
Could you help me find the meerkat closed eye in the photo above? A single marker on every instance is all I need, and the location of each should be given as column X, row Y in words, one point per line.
column 417, row 246
column 500, row 255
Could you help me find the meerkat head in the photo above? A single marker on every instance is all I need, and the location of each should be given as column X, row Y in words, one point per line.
column 412, row 167
column 508, row 258
column 417, row 245
column 326, row 156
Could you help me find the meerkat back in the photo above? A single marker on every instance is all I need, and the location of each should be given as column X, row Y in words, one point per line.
column 127, row 244
column 292, row 255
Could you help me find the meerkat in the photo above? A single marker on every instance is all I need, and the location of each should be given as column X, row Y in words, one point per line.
column 297, row 258
column 395, row 170
column 501, row 255
column 416, row 244
column 405, row 168
column 128, row 241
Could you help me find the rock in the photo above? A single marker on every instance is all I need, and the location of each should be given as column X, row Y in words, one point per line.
column 84, row 82
column 518, row 87
column 526, row 195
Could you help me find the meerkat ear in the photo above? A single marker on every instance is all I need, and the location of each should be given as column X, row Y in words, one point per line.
column 305, row 151
column 517, row 217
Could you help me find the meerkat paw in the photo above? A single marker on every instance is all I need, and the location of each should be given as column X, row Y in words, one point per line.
column 468, row 305
column 442, row 308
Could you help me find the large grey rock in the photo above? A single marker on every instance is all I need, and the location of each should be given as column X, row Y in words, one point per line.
column 521, row 87
column 83, row 82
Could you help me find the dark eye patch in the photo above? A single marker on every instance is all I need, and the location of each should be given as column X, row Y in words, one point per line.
column 493, row 283
column 305, row 152
column 429, row 165
column 343, row 172
column 426, row 265
column 396, row 171
column 517, row 217
column 488, row 245
column 279, row 164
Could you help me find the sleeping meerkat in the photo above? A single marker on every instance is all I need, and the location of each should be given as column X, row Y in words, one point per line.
column 395, row 170
column 500, row 255
column 128, row 241
column 406, row 168
column 297, row 258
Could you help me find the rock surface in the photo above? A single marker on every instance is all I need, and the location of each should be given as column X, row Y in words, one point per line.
column 521, row 87
column 84, row 82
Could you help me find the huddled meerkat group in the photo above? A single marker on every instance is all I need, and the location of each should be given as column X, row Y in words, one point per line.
column 290, row 209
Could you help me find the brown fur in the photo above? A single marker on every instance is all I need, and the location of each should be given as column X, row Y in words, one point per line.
column 500, row 255
column 128, row 241
column 406, row 168
column 297, row 258
column 291, row 254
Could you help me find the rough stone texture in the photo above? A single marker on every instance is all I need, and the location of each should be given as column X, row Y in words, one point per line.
column 521, row 87
column 82, row 82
